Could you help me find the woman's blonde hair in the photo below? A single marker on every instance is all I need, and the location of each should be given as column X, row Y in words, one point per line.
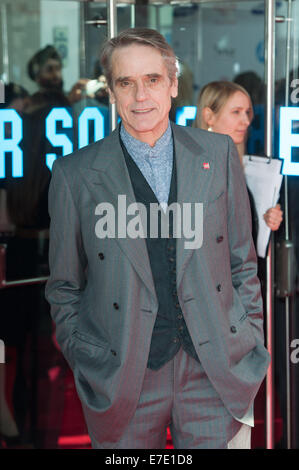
column 215, row 95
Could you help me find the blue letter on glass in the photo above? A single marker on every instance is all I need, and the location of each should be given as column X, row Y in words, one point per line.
column 288, row 139
column 58, row 140
column 90, row 114
column 185, row 113
column 11, row 143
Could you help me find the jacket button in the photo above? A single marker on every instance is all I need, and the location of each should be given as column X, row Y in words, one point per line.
column 101, row 255
column 233, row 329
column 113, row 352
column 116, row 306
column 219, row 287
column 219, row 239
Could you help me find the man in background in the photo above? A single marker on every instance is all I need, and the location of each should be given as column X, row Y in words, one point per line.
column 45, row 68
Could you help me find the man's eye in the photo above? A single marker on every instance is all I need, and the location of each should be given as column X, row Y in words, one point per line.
column 152, row 81
column 125, row 84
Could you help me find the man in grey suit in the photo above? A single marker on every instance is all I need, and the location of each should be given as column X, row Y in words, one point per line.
column 158, row 334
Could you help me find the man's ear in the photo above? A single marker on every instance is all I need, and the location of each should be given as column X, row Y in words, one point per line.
column 111, row 96
column 208, row 116
column 174, row 88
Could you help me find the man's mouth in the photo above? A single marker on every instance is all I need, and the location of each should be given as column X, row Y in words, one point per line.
column 142, row 111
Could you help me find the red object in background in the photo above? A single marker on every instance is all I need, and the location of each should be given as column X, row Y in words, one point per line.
column 60, row 415
column 73, row 433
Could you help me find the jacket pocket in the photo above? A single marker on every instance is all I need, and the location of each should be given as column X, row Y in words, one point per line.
column 240, row 340
column 86, row 338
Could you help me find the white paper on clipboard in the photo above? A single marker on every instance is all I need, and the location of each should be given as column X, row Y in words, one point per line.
column 264, row 180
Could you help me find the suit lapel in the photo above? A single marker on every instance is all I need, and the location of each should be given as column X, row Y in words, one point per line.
column 107, row 177
column 194, row 175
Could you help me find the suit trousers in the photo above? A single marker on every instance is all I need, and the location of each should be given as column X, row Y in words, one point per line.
column 180, row 396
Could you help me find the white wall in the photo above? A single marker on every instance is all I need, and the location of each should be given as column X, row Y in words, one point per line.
column 62, row 18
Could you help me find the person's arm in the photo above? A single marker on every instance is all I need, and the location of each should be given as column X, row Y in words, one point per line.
column 242, row 252
column 67, row 261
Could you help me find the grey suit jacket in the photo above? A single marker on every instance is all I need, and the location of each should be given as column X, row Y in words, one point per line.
column 105, row 306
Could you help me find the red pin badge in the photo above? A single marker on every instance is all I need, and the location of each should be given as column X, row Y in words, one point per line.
column 206, row 166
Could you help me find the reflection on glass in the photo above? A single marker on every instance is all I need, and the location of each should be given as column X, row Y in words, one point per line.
column 51, row 50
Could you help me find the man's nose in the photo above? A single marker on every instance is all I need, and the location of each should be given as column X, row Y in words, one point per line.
column 140, row 91
column 57, row 74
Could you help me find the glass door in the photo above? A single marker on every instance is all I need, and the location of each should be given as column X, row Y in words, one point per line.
column 213, row 40
column 286, row 146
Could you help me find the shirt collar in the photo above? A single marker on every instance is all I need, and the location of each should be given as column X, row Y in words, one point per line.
column 139, row 149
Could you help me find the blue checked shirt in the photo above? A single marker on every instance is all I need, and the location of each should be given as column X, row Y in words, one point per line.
column 155, row 163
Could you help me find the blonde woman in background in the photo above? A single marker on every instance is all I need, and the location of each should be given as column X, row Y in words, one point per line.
column 225, row 107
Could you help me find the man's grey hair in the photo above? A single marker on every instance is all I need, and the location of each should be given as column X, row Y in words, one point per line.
column 144, row 37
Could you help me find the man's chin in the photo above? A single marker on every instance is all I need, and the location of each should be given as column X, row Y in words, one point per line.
column 56, row 87
column 52, row 86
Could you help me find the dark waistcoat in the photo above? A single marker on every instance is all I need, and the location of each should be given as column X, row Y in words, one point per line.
column 170, row 331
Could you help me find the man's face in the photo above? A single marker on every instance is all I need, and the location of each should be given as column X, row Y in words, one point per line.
column 50, row 76
column 142, row 91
